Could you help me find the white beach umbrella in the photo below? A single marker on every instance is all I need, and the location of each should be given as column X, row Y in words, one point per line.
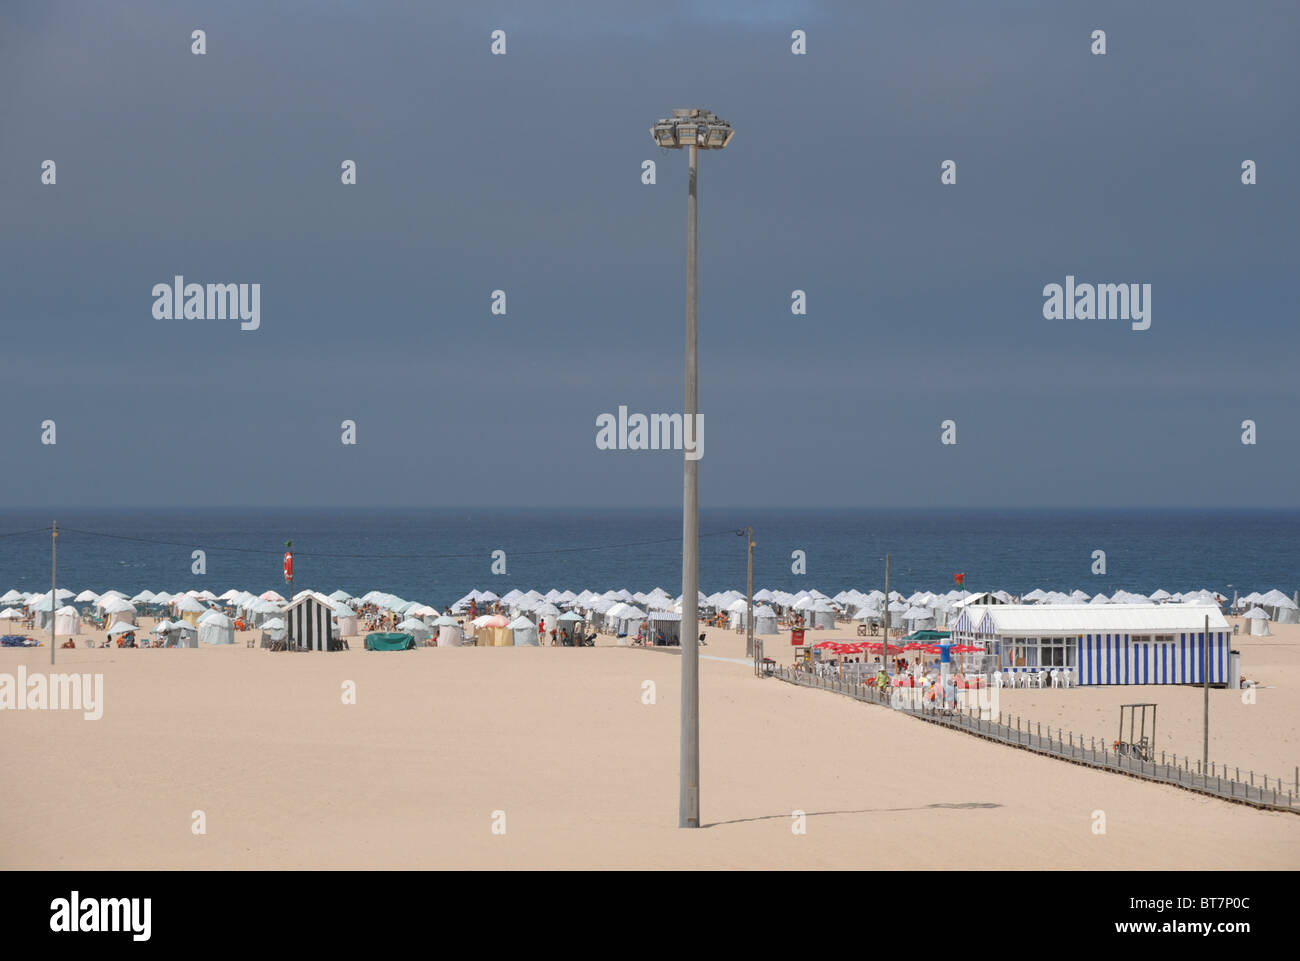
column 121, row 627
column 42, row 603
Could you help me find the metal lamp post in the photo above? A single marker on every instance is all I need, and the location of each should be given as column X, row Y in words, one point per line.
column 696, row 130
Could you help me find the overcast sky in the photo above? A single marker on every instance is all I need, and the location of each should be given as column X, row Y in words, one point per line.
column 522, row 172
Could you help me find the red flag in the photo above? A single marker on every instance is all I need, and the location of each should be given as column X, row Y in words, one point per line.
column 959, row 578
column 288, row 566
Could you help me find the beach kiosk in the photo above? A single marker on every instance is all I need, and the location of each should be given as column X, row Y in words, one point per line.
column 1101, row 643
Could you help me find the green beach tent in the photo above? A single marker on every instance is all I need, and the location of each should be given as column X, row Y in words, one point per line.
column 389, row 642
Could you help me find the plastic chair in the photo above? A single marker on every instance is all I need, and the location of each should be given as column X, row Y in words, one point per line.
column 1056, row 678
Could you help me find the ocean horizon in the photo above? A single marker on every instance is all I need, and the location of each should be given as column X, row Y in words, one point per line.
column 436, row 555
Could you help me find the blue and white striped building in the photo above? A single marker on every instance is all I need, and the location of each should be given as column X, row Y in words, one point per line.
column 1101, row 643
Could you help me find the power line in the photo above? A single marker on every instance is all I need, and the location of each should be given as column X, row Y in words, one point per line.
column 380, row 556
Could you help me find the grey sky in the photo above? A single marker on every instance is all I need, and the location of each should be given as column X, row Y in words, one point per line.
column 522, row 172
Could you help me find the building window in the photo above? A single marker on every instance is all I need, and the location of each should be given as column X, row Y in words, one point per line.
column 1057, row 652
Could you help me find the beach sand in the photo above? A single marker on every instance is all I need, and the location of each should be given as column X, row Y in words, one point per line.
column 558, row 739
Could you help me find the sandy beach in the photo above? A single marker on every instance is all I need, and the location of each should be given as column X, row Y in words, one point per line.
column 287, row 775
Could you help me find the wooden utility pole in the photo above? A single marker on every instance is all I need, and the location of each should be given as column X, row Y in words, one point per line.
column 749, row 588
column 885, row 659
column 54, row 580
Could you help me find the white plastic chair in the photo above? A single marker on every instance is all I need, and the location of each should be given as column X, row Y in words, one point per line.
column 1067, row 677
column 1056, row 677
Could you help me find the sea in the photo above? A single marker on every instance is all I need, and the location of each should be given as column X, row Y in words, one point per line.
column 436, row 556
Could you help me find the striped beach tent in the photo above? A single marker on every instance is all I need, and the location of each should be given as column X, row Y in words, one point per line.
column 308, row 621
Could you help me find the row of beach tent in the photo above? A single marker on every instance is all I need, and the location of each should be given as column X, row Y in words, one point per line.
column 204, row 617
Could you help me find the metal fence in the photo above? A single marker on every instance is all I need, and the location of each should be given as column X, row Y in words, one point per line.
column 1260, row 791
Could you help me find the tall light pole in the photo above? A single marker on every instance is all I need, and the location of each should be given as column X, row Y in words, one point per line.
column 1205, row 686
column 696, row 130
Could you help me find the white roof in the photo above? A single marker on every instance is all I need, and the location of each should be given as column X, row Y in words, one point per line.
column 1065, row 619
